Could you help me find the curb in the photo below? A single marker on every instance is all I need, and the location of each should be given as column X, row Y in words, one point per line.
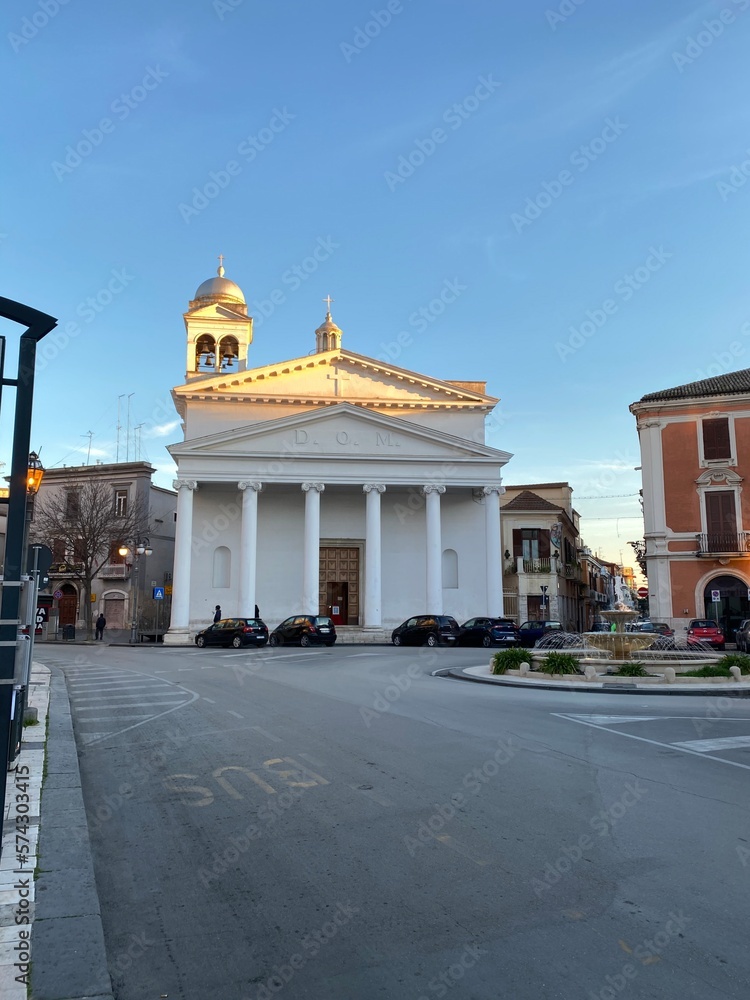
column 603, row 688
column 70, row 960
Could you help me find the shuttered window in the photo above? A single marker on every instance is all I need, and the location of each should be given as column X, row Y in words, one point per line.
column 721, row 515
column 716, row 441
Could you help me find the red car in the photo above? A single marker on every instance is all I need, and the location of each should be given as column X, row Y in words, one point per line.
column 705, row 630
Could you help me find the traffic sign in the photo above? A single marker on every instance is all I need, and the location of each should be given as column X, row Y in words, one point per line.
column 57, row 595
column 158, row 593
column 715, row 596
column 642, row 592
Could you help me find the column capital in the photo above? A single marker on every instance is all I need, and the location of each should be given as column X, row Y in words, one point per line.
column 184, row 484
column 373, row 488
column 487, row 491
column 247, row 484
column 432, row 488
column 318, row 487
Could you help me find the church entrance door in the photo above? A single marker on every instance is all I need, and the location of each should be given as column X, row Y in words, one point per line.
column 338, row 592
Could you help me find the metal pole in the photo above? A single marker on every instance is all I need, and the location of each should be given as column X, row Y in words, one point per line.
column 134, row 624
column 38, row 326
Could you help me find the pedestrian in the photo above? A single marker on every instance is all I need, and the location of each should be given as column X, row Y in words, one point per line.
column 101, row 624
column 217, row 614
column 257, row 612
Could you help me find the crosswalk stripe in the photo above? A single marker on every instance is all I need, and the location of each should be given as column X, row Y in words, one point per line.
column 724, row 743
column 603, row 720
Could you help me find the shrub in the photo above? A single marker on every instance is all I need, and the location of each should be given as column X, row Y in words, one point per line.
column 632, row 670
column 560, row 663
column 741, row 660
column 509, row 659
column 712, row 670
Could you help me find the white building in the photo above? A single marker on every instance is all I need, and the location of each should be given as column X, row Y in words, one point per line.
column 327, row 484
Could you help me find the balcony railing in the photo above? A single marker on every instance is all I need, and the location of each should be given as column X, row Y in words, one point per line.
column 537, row 565
column 115, row 571
column 723, row 543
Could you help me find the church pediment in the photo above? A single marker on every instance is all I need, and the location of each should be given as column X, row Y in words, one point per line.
column 335, row 376
column 342, row 431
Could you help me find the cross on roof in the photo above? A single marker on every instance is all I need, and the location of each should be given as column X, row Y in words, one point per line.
column 328, row 300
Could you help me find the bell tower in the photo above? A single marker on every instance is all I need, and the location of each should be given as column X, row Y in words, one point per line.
column 328, row 335
column 219, row 330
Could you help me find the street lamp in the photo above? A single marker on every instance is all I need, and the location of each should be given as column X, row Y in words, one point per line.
column 35, row 474
column 142, row 548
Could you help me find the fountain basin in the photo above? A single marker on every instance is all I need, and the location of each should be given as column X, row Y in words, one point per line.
column 621, row 644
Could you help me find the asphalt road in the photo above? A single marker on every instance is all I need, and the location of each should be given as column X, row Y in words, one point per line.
column 317, row 824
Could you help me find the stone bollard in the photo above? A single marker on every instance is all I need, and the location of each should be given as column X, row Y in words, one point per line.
column 523, row 669
column 736, row 673
column 590, row 672
column 669, row 675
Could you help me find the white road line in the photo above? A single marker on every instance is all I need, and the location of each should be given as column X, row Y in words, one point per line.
column 209, row 700
column 117, row 718
column 268, row 736
column 139, row 704
column 125, row 698
column 658, row 743
column 135, row 725
column 601, row 720
column 285, row 656
column 353, row 656
column 235, row 714
column 704, row 746
column 313, row 760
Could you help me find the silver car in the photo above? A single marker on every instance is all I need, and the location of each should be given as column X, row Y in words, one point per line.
column 742, row 636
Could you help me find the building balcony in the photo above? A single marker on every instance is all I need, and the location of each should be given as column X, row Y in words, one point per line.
column 115, row 571
column 538, row 566
column 725, row 543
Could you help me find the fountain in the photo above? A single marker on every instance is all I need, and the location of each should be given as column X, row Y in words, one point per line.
column 620, row 643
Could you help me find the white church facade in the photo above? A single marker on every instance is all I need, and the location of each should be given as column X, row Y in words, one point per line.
column 327, row 484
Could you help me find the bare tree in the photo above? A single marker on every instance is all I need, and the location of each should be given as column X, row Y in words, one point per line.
column 640, row 555
column 81, row 517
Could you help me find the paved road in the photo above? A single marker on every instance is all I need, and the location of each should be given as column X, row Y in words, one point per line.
column 339, row 823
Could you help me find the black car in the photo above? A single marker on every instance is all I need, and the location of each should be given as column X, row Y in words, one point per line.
column 235, row 632
column 426, row 630
column 489, row 632
column 742, row 636
column 531, row 632
column 304, row 630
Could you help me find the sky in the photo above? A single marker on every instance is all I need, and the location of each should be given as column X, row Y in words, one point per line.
column 549, row 196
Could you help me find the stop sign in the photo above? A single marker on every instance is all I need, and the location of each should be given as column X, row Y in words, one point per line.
column 642, row 592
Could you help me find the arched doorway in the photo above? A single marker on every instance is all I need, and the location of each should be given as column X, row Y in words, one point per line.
column 733, row 604
column 67, row 605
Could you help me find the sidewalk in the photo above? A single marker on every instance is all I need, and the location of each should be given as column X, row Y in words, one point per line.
column 54, row 889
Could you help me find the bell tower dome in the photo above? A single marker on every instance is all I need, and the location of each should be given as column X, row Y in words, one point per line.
column 328, row 335
column 219, row 330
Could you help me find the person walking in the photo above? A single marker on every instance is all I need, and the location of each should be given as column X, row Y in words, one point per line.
column 101, row 624
column 217, row 614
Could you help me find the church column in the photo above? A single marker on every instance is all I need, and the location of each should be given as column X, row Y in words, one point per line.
column 492, row 494
column 434, row 549
column 179, row 624
column 311, row 567
column 248, row 546
column 373, row 571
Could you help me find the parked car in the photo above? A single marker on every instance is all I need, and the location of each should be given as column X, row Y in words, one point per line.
column 426, row 630
column 531, row 632
column 705, row 630
column 661, row 627
column 601, row 626
column 304, row 630
column 235, row 632
column 742, row 636
column 488, row 632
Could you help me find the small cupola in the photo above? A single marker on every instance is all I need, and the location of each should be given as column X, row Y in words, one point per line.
column 328, row 335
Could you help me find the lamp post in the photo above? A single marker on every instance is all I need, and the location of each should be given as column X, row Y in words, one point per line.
column 142, row 548
column 38, row 325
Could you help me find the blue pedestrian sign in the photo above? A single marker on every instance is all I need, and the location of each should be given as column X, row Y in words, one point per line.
column 158, row 593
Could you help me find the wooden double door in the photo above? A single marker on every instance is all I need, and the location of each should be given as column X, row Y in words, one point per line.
column 338, row 592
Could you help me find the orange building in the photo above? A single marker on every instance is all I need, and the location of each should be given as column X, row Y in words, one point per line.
column 695, row 456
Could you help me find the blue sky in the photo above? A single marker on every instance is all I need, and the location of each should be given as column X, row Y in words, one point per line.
column 573, row 171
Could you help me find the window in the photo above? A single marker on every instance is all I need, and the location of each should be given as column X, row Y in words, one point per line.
column 721, row 517
column 717, row 445
column 531, row 543
column 58, row 550
column 121, row 503
column 72, row 503
column 115, row 559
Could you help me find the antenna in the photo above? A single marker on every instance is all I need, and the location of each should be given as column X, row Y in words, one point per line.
column 119, row 426
column 127, row 434
column 89, row 435
column 137, row 443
